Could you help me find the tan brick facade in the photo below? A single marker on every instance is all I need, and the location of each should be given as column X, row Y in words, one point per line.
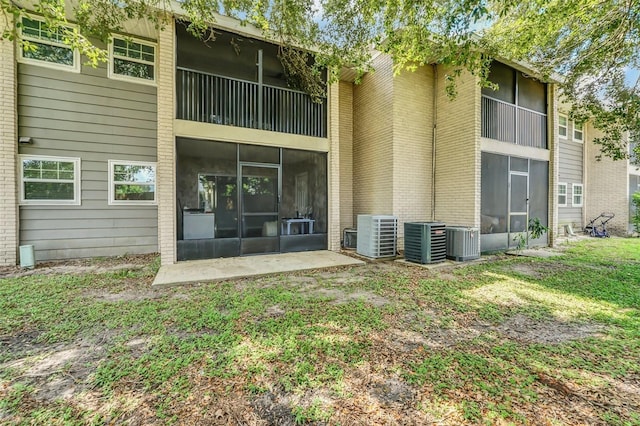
column 373, row 140
column 606, row 186
column 8, row 152
column 412, row 143
column 457, row 199
column 393, row 130
column 166, row 147
column 346, row 155
column 333, row 170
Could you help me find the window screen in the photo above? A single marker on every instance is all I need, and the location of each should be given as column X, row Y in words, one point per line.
column 494, row 175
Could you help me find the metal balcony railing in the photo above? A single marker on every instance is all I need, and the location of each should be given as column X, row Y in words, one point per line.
column 210, row 98
column 510, row 123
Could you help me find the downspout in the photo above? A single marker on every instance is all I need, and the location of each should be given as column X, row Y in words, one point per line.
column 433, row 141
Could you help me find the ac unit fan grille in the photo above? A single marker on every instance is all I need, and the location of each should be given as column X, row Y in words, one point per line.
column 425, row 242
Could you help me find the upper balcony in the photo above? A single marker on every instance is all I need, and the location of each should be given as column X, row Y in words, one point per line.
column 237, row 81
column 516, row 112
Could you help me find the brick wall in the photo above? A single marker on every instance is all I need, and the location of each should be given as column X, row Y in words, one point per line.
column 334, row 168
column 606, row 187
column 412, row 143
column 458, row 152
column 8, row 152
column 373, row 140
column 166, row 147
column 346, row 155
column 393, row 129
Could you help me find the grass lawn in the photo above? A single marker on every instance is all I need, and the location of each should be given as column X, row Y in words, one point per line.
column 513, row 340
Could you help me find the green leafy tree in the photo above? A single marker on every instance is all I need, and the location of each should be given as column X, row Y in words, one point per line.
column 589, row 43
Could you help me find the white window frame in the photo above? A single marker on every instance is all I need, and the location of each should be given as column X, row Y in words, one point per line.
column 21, row 58
column 76, row 181
column 566, row 126
column 581, row 138
column 115, row 76
column 112, row 183
column 566, row 194
column 573, row 194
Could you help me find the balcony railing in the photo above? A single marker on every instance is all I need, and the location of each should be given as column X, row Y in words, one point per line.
column 510, row 123
column 210, row 98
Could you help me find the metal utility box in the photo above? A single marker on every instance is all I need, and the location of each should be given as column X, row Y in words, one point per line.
column 350, row 238
column 463, row 243
column 377, row 235
column 425, row 242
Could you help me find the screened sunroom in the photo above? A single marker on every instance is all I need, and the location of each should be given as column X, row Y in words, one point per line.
column 240, row 199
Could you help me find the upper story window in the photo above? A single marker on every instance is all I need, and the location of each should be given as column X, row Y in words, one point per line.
column 47, row 47
column 562, row 195
column 49, row 180
column 132, row 182
column 132, row 60
column 563, row 126
column 578, row 132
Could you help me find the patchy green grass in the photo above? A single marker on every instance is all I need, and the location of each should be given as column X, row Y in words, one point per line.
column 510, row 340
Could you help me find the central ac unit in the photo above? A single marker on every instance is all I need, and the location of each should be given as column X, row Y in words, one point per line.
column 463, row 243
column 377, row 235
column 425, row 242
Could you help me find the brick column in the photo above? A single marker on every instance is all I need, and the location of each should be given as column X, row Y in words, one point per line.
column 166, row 146
column 8, row 155
column 333, row 228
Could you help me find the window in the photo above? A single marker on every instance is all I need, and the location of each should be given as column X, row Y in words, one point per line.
column 47, row 47
column 132, row 60
column 563, row 126
column 633, row 158
column 562, row 195
column 132, row 182
column 49, row 180
column 578, row 132
column 577, row 195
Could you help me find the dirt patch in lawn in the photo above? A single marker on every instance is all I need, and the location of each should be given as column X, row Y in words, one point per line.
column 525, row 329
column 538, row 270
column 82, row 266
column 125, row 296
column 58, row 371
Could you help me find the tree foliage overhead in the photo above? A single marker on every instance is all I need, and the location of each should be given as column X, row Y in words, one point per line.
column 591, row 43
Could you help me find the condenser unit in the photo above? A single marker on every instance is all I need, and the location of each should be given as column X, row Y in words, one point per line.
column 377, row 235
column 425, row 242
column 463, row 243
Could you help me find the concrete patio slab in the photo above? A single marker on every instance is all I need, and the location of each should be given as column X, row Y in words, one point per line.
column 249, row 266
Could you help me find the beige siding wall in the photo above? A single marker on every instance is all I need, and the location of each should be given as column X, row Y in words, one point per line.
column 412, row 142
column 166, row 147
column 457, row 200
column 96, row 119
column 345, row 115
column 606, row 187
column 8, row 151
column 373, row 140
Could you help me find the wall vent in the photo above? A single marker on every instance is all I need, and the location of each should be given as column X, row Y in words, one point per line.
column 377, row 235
column 425, row 242
column 463, row 243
